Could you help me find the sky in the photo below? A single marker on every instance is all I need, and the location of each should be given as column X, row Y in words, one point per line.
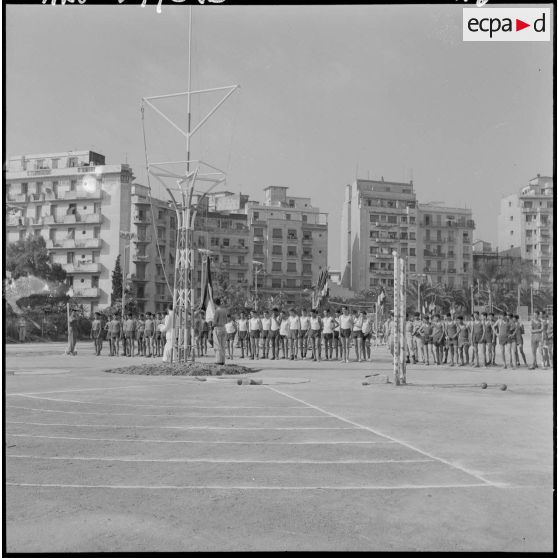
column 326, row 93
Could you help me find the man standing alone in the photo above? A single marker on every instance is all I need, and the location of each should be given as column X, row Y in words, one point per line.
column 219, row 332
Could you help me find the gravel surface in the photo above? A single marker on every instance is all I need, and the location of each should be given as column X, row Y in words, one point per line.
column 191, row 369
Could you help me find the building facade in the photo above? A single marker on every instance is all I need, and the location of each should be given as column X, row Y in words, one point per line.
column 444, row 245
column 289, row 240
column 526, row 221
column 378, row 217
column 79, row 205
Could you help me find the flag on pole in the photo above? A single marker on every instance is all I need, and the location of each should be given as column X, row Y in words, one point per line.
column 207, row 298
column 381, row 297
column 321, row 287
column 70, row 292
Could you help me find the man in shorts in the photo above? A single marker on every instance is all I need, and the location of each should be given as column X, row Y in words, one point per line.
column 409, row 340
column 243, row 335
column 336, row 334
column 274, row 333
column 284, row 334
column 536, row 337
column 266, row 327
column 367, row 333
column 149, row 334
column 438, row 338
column 97, row 333
column 140, row 333
column 255, row 327
column 501, row 329
column 463, row 342
column 426, row 338
column 417, row 337
column 294, row 332
column 315, row 333
column 115, row 333
column 328, row 324
column 477, row 330
column 230, row 329
column 451, row 332
column 304, row 332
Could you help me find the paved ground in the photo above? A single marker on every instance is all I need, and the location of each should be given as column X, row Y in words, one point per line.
column 311, row 460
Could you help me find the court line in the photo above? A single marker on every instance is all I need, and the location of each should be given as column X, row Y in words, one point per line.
column 197, row 441
column 184, row 427
column 180, row 404
column 86, row 389
column 248, row 487
column 167, row 416
column 206, row 460
column 377, row 433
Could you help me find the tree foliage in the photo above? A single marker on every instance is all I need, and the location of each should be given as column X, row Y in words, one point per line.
column 116, row 294
column 30, row 257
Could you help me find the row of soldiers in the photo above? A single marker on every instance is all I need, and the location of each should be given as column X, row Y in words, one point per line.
column 435, row 338
column 137, row 335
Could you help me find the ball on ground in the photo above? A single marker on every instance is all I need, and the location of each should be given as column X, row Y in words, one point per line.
column 503, row 387
column 484, row 386
column 239, row 382
column 365, row 383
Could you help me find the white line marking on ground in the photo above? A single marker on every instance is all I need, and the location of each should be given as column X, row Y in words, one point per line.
column 205, row 460
column 178, row 404
column 167, row 415
column 445, row 461
column 23, row 394
column 184, row 427
column 197, row 441
column 216, row 487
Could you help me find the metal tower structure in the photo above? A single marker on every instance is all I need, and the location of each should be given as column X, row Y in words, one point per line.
column 184, row 176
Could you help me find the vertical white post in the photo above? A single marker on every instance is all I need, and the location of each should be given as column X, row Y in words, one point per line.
column 403, row 311
column 396, row 317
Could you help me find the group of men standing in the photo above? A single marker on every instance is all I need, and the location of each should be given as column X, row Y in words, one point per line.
column 138, row 335
column 435, row 338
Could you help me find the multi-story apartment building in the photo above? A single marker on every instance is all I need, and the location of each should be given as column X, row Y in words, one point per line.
column 378, row 217
column 526, row 221
column 289, row 239
column 79, row 205
column 153, row 252
column 444, row 245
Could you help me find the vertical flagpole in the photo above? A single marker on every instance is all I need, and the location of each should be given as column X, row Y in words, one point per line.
column 403, row 308
column 68, row 321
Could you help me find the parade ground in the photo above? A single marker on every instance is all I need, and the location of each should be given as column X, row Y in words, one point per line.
column 309, row 460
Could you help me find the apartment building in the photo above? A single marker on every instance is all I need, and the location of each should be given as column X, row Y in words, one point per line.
column 444, row 245
column 378, row 217
column 526, row 221
column 79, row 204
column 289, row 238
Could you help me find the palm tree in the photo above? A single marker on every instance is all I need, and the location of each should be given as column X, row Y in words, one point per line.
column 489, row 274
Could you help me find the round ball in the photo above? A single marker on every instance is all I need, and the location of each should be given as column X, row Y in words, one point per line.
column 239, row 382
column 365, row 383
column 503, row 387
column 484, row 386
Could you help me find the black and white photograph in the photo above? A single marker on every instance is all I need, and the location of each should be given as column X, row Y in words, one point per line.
column 324, row 236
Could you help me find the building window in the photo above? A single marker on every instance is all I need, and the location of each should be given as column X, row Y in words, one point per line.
column 291, row 203
column 509, row 204
column 412, row 267
column 411, row 252
column 392, row 218
column 305, row 218
column 291, row 252
column 288, row 216
column 276, row 283
column 291, row 234
column 226, row 259
column 511, row 233
column 374, row 234
column 258, row 249
column 276, row 250
column 226, row 242
column 277, row 233
column 276, row 266
column 306, row 268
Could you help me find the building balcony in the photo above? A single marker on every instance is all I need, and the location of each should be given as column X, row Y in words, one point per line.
column 85, row 170
column 90, row 292
column 452, row 270
column 144, row 238
column 306, row 272
column 307, row 256
column 382, row 255
column 12, row 221
column 137, row 257
column 306, row 240
column 259, row 239
column 142, row 220
column 82, row 267
column 39, row 172
column 89, row 243
column 292, row 256
column 81, row 195
column 384, row 225
column 17, row 198
column 35, row 198
column 138, row 279
column 95, row 218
